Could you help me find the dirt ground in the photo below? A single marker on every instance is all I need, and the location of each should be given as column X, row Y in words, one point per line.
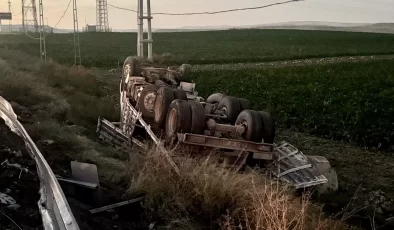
column 361, row 174
column 24, row 187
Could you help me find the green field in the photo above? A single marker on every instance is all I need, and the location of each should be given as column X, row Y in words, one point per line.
column 233, row 46
column 343, row 101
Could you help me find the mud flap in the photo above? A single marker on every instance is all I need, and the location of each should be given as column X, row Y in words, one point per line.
column 291, row 166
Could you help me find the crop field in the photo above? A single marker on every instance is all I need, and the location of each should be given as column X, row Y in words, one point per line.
column 324, row 102
column 338, row 100
column 233, row 46
column 342, row 101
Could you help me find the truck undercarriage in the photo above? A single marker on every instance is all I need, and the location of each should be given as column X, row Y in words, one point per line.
column 163, row 104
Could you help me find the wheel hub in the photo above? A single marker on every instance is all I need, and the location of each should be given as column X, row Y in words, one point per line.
column 149, row 101
column 172, row 120
column 158, row 106
column 126, row 73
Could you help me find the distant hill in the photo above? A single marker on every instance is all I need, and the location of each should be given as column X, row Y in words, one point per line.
column 19, row 28
column 332, row 26
column 299, row 25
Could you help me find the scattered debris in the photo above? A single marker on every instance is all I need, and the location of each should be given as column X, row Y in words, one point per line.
column 152, row 225
column 6, row 199
column 46, row 142
column 108, row 207
column 380, row 202
column 13, row 206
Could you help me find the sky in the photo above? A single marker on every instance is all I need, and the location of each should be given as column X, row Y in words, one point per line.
column 346, row 11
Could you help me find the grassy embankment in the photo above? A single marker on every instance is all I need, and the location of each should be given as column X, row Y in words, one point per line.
column 62, row 104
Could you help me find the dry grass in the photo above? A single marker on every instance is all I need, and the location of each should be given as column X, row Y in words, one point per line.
column 206, row 195
column 62, row 104
column 65, row 103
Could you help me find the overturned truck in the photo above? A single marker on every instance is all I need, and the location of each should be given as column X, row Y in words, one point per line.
column 164, row 105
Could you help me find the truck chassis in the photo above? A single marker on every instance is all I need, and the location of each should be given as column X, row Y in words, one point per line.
column 283, row 161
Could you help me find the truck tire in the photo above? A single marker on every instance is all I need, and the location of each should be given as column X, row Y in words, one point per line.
column 146, row 102
column 253, row 123
column 231, row 107
column 245, row 103
column 180, row 94
column 178, row 120
column 185, row 70
column 134, row 70
column 198, row 117
column 209, row 108
column 215, row 98
column 268, row 127
column 163, row 101
column 161, row 83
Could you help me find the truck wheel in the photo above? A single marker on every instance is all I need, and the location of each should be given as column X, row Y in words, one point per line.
column 268, row 127
column 178, row 120
column 130, row 66
column 146, row 102
column 209, row 108
column 253, row 124
column 215, row 98
column 245, row 103
column 185, row 71
column 231, row 107
column 180, row 94
column 198, row 117
column 161, row 83
column 164, row 98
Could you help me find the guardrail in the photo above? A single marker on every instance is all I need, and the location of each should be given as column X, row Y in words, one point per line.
column 54, row 208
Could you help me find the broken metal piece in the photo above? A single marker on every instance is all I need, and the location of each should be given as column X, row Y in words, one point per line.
column 108, row 207
column 84, row 182
column 13, row 206
column 79, row 183
column 54, row 209
column 6, row 199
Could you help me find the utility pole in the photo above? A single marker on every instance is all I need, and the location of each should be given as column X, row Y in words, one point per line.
column 140, row 22
column 77, row 48
column 43, row 48
column 9, row 10
column 29, row 19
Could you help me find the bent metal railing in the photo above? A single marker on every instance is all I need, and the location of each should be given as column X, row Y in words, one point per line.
column 54, row 208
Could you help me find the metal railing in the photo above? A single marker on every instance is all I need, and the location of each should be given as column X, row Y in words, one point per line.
column 54, row 208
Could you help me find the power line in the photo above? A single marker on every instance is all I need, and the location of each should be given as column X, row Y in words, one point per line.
column 64, row 14
column 212, row 12
column 121, row 8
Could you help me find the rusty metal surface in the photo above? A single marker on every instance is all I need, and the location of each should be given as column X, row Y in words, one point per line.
column 213, row 125
column 53, row 205
column 223, row 143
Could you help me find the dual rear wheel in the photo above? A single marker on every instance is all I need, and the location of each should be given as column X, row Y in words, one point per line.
column 184, row 117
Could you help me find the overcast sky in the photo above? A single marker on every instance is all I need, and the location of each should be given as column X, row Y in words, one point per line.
column 358, row 11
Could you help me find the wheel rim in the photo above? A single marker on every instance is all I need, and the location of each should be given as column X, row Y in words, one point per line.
column 149, row 101
column 126, row 72
column 172, row 120
column 245, row 124
column 158, row 106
